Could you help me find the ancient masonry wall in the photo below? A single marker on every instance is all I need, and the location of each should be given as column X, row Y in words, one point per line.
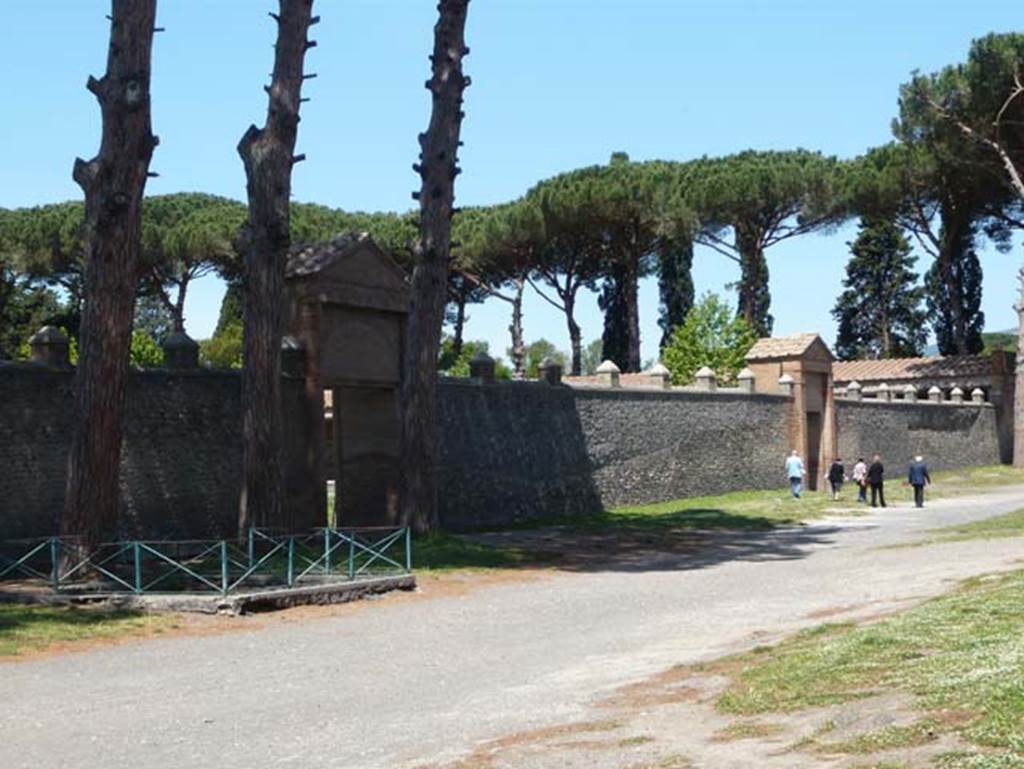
column 948, row 435
column 508, row 451
column 514, row 451
column 182, row 458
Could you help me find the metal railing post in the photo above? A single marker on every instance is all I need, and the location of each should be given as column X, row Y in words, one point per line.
column 137, row 557
column 251, row 547
column 224, row 567
column 351, row 555
column 408, row 548
column 55, row 562
column 327, row 551
column 291, row 561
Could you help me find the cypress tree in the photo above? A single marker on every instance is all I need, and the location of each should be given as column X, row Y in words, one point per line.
column 675, row 286
column 961, row 291
column 879, row 312
column 612, row 301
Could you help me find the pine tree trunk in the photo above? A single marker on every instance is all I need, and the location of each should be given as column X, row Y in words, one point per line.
column 437, row 169
column 113, row 183
column 754, row 295
column 268, row 156
column 515, row 329
column 575, row 334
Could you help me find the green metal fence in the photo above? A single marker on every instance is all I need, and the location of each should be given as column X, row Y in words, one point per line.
column 262, row 559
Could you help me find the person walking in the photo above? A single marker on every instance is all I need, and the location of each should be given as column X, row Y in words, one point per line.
column 860, row 477
column 876, row 480
column 836, row 476
column 795, row 472
column 918, row 478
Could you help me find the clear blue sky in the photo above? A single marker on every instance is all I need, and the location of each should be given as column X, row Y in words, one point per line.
column 556, row 84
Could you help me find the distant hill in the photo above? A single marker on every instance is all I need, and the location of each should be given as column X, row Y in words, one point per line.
column 994, row 340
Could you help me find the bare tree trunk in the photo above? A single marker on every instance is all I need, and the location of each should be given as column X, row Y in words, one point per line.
column 113, row 182
column 575, row 335
column 437, row 169
column 267, row 154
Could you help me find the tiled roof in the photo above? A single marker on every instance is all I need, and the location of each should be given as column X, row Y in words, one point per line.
column 625, row 380
column 781, row 346
column 309, row 258
column 897, row 369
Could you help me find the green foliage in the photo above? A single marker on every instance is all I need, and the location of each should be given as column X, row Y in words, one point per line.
column 879, row 312
column 999, row 340
column 223, row 349
column 537, row 351
column 711, row 336
column 763, row 198
column 145, row 352
column 612, row 301
column 230, row 307
column 25, row 307
column 458, row 366
column 592, row 357
column 153, row 317
column 675, row 286
column 942, row 296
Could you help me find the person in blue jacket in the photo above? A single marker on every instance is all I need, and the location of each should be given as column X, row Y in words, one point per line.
column 918, row 478
column 795, row 473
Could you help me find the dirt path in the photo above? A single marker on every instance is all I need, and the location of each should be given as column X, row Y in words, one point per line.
column 559, row 670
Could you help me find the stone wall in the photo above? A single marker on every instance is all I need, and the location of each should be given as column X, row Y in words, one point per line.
column 181, row 463
column 948, row 435
column 513, row 451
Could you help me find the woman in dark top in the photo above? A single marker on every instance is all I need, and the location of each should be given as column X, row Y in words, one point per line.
column 836, row 476
column 876, row 480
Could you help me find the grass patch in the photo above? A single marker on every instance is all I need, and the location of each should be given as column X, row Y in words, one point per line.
column 961, row 656
column 25, row 629
column 1008, row 525
column 746, row 730
column 442, row 552
column 889, row 738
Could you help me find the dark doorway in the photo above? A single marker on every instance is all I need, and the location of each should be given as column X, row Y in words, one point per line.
column 813, row 449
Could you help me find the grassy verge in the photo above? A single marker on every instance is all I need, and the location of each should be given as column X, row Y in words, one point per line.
column 961, row 656
column 25, row 629
column 740, row 511
column 1008, row 525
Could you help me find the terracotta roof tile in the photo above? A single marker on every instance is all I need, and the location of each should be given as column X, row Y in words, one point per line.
column 781, row 346
column 309, row 258
column 896, row 369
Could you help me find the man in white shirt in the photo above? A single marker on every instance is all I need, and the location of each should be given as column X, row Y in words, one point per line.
column 795, row 472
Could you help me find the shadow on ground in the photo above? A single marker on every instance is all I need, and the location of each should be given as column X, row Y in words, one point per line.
column 629, row 548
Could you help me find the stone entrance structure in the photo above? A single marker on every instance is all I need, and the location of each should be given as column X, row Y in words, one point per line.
column 802, row 364
column 346, row 307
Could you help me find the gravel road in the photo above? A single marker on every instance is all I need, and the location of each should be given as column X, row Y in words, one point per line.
column 412, row 682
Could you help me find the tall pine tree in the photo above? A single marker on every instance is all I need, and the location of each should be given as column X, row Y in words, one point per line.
column 879, row 312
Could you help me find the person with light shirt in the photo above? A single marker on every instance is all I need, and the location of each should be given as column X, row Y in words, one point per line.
column 795, row 472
